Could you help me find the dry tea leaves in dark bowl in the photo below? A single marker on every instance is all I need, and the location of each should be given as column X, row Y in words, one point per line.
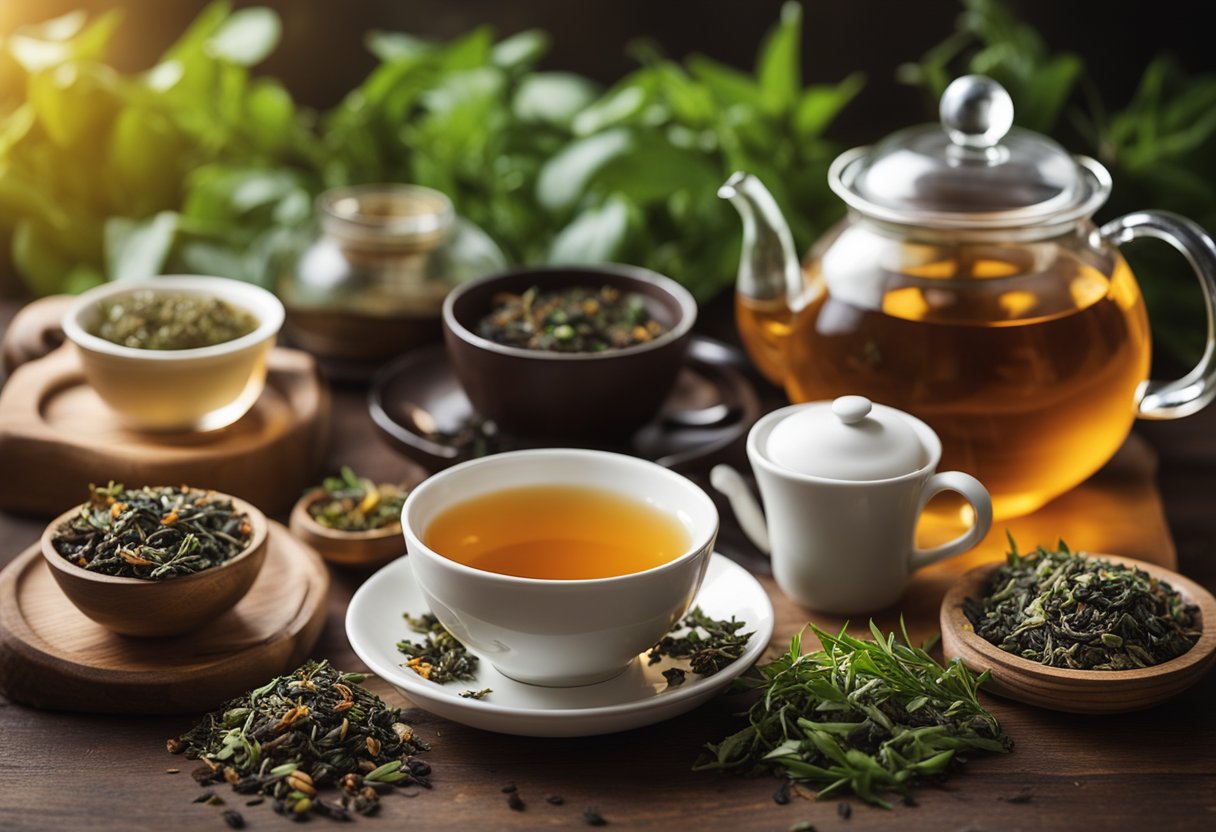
column 572, row 319
column 351, row 503
column 305, row 731
column 153, row 532
column 159, row 321
column 1064, row 609
column 859, row 716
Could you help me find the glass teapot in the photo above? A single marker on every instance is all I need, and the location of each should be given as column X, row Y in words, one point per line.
column 969, row 287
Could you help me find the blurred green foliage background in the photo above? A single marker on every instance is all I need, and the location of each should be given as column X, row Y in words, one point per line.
column 199, row 164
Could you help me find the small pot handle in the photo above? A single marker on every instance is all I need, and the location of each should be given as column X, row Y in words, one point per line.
column 981, row 503
column 1192, row 392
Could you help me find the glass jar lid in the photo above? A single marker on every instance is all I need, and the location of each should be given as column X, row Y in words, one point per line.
column 973, row 170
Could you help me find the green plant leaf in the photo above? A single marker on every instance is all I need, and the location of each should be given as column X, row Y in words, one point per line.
column 779, row 68
column 137, row 249
column 247, row 36
column 594, row 236
column 74, row 102
column 396, row 46
column 520, row 50
column 820, row 104
column 552, row 97
column 564, row 178
column 41, row 265
column 63, row 39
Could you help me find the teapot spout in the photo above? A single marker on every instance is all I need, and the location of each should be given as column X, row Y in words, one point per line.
column 769, row 270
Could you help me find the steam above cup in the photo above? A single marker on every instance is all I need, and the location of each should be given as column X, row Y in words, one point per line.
column 843, row 484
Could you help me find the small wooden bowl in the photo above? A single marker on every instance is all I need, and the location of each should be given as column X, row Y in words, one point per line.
column 139, row 607
column 372, row 548
column 1078, row 691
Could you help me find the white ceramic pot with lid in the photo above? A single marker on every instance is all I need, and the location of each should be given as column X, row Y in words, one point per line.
column 844, row 483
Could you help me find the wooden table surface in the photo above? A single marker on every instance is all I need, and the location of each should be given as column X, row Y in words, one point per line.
column 1150, row 770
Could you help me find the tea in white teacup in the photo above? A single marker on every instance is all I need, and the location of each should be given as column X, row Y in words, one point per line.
column 557, row 532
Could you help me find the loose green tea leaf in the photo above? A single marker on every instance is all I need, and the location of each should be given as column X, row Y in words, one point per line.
column 709, row 644
column 859, row 716
column 439, row 657
column 312, row 728
column 162, row 321
column 476, row 694
column 1068, row 610
column 574, row 319
column 152, row 533
column 356, row 504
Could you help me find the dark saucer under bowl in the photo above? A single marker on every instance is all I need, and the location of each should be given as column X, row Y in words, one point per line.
column 418, row 405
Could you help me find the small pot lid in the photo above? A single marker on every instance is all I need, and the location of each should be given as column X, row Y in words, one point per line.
column 974, row 169
column 847, row 439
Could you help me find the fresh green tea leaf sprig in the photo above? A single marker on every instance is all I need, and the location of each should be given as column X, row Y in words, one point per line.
column 862, row 716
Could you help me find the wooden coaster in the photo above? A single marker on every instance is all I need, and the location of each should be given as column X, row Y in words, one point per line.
column 57, row 436
column 53, row 657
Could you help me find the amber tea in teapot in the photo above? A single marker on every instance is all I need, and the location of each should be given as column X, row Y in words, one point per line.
column 968, row 287
column 1034, row 421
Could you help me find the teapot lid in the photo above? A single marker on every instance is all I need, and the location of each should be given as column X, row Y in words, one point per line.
column 847, row 439
column 973, row 170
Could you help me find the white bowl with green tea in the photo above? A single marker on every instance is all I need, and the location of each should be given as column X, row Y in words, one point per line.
column 177, row 352
column 559, row 566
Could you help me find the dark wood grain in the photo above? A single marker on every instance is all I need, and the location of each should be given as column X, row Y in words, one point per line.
column 1150, row 770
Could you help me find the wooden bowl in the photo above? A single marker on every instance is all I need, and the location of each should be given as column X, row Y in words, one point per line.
column 170, row 607
column 370, row 548
column 1078, row 691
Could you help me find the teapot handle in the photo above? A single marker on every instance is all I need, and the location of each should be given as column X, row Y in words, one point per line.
column 1192, row 392
column 974, row 493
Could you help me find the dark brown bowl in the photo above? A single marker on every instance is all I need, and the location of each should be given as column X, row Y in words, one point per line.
column 539, row 393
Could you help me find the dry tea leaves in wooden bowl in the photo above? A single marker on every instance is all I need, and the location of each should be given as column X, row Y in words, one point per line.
column 1080, row 633
column 352, row 520
column 156, row 561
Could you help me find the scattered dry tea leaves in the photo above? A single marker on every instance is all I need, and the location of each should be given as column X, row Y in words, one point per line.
column 299, row 733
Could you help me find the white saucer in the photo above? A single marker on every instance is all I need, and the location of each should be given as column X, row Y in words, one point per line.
column 639, row 696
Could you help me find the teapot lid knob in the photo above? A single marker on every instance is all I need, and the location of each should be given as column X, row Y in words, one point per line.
column 852, row 409
column 976, row 111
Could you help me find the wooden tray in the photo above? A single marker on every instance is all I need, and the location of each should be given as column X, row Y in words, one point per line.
column 52, row 656
column 56, row 437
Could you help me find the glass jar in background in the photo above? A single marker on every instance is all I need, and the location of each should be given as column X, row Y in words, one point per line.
column 372, row 284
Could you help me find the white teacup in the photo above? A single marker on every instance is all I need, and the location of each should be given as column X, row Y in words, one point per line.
column 177, row 390
column 560, row 633
column 846, row 543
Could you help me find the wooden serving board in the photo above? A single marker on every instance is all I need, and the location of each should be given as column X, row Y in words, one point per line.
column 57, row 436
column 52, row 656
